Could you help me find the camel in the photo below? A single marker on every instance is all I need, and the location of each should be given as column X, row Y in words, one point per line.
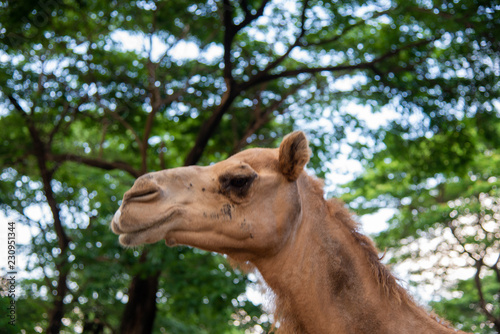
column 261, row 207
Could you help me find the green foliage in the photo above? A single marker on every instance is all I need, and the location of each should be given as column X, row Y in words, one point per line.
column 87, row 104
column 446, row 189
column 464, row 308
column 9, row 325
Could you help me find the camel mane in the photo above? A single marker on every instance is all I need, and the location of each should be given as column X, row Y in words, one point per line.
column 385, row 278
column 337, row 210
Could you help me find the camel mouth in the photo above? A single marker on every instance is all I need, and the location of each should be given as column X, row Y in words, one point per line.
column 137, row 234
column 114, row 223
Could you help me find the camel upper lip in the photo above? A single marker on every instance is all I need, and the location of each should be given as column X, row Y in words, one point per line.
column 114, row 225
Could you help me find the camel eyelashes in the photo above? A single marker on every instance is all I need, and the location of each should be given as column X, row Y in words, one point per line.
column 236, row 184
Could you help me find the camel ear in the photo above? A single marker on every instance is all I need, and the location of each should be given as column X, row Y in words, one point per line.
column 294, row 154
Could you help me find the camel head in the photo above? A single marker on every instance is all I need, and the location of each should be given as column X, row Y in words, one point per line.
column 246, row 206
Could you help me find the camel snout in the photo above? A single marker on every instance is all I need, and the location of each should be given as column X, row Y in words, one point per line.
column 145, row 189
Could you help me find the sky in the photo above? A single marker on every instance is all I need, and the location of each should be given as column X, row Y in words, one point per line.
column 4, row 243
column 22, row 235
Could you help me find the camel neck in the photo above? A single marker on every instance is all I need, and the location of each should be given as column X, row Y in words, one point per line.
column 324, row 283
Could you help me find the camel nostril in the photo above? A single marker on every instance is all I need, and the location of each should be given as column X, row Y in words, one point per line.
column 142, row 195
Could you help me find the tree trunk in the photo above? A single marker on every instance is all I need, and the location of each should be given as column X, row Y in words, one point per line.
column 40, row 151
column 140, row 311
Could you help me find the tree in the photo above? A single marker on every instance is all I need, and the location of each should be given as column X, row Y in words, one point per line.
column 441, row 174
column 87, row 114
column 446, row 191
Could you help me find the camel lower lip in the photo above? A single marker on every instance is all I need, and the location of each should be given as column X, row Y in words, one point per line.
column 127, row 237
column 171, row 242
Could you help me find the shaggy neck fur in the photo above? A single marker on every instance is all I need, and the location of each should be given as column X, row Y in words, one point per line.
column 328, row 278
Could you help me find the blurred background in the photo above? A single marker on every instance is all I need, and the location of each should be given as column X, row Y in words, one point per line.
column 399, row 98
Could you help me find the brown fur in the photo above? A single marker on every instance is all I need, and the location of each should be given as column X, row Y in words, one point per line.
column 294, row 155
column 384, row 277
column 261, row 209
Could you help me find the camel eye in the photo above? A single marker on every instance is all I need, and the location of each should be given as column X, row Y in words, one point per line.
column 237, row 185
column 239, row 182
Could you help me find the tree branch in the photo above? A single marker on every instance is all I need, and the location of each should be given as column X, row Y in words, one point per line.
column 246, row 7
column 229, row 32
column 301, row 34
column 396, row 51
column 157, row 103
column 262, row 116
column 232, row 90
column 125, row 124
column 304, row 70
column 105, row 126
column 337, row 68
column 482, row 302
column 181, row 37
column 46, row 175
column 161, row 155
column 249, row 17
column 16, row 104
column 58, row 124
column 349, row 28
column 496, row 268
column 175, row 96
column 462, row 243
column 63, row 115
column 208, row 128
column 95, row 162
column 57, row 312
